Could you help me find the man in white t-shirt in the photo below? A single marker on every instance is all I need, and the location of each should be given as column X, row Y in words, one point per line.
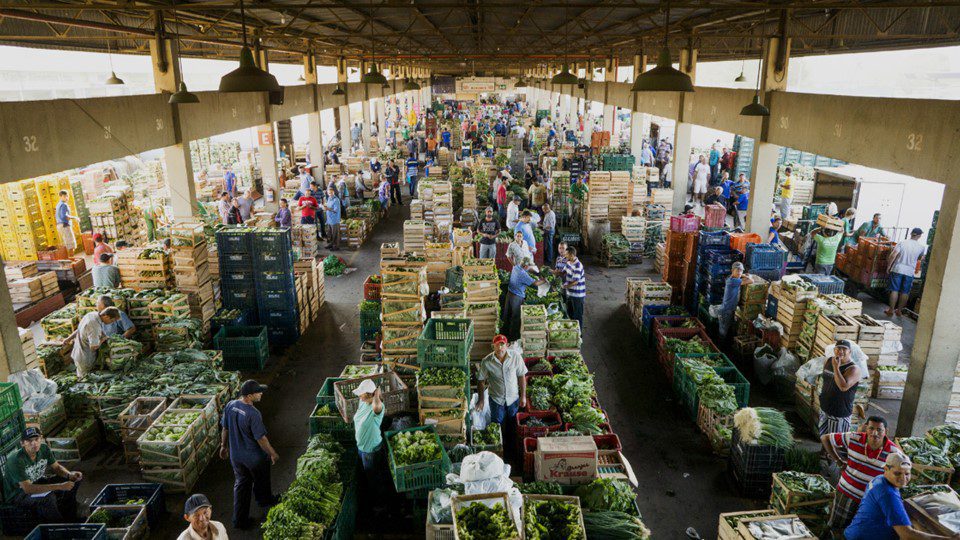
column 701, row 177
column 902, row 269
column 88, row 338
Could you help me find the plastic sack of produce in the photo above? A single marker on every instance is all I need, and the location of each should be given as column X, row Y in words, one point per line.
column 485, row 472
column 763, row 358
column 441, row 508
column 37, row 391
column 480, row 418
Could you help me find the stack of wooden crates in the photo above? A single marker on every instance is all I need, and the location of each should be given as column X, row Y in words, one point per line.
column 191, row 269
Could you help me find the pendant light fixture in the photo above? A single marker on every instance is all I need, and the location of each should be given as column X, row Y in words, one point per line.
column 410, row 84
column 248, row 77
column 341, row 66
column 338, row 91
column 664, row 77
column 182, row 96
column 565, row 77
column 112, row 79
column 373, row 76
column 756, row 108
column 741, row 78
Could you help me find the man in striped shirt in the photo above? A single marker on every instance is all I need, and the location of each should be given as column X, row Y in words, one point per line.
column 866, row 452
column 575, row 283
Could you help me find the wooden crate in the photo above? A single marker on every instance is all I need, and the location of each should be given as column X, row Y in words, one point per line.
column 726, row 532
column 489, row 499
column 796, row 503
column 743, row 527
column 566, row 499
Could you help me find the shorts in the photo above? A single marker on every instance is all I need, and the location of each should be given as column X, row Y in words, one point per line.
column 900, row 283
column 699, row 186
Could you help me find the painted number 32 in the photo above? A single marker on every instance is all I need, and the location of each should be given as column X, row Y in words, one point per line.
column 915, row 142
column 30, row 144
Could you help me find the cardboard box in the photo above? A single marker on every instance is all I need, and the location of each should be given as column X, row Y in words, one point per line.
column 566, row 460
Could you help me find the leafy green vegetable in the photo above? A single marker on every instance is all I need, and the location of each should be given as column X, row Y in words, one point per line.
column 584, row 418
column 607, row 494
column 540, row 488
column 442, row 377
column 551, row 519
column 539, row 397
column 478, row 521
column 571, row 364
column 410, row 447
column 333, row 266
column 488, row 436
column 610, row 525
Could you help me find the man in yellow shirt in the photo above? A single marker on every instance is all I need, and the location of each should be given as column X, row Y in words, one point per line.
column 786, row 193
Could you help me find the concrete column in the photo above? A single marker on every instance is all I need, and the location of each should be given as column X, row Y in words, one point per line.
column 637, row 119
column 11, row 354
column 609, row 111
column 267, row 148
column 765, row 155
column 343, row 111
column 314, row 130
column 681, row 164
column 176, row 158
column 765, row 158
column 381, row 110
column 365, row 109
column 933, row 360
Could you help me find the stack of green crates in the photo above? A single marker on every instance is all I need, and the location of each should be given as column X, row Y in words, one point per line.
column 12, row 424
column 325, row 417
column 370, row 323
column 446, row 344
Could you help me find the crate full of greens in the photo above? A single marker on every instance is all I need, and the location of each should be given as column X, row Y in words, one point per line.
column 124, row 522
column 489, row 438
column 483, row 517
column 417, row 458
column 808, row 496
column 552, row 516
column 78, row 437
column 169, row 441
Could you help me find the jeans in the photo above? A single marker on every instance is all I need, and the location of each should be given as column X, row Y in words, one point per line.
column 308, row 220
column 506, row 416
column 413, row 186
column 54, row 507
column 488, row 251
column 511, row 316
column 548, row 246
column 575, row 309
column 395, row 194
column 333, row 236
column 374, row 464
column 250, row 477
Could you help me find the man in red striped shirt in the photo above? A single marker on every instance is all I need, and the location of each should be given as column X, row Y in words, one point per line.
column 866, row 452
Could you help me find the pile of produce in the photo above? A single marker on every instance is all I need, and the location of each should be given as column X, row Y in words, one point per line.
column 179, row 333
column 478, row 521
column 913, row 489
column 798, row 459
column 922, row 452
column 354, row 370
column 694, row 345
column 551, row 519
column 333, row 266
column 570, row 389
column 311, row 504
column 410, row 447
column 564, row 334
column 946, row 438
column 61, row 323
column 809, row 486
column 112, row 519
column 611, row 525
column 455, row 377
column 540, row 488
column 118, row 352
column 226, row 316
column 615, row 249
column 539, row 393
column 763, row 426
column 607, row 494
column 570, row 364
column 75, row 427
column 541, row 366
column 584, row 418
column 488, row 436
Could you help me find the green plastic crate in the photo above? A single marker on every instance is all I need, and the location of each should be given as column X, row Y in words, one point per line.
column 445, row 343
column 244, row 347
column 687, row 390
column 333, row 424
column 418, row 476
column 10, row 403
column 325, row 395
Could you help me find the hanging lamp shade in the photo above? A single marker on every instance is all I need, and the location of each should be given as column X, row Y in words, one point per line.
column 113, row 79
column 373, row 76
column 182, row 96
column 755, row 108
column 581, row 83
column 740, row 78
column 248, row 77
column 338, row 91
column 410, row 84
column 385, row 84
column 564, row 77
column 663, row 78
column 520, row 82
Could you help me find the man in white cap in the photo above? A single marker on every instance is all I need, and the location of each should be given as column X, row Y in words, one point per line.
column 882, row 515
column 197, row 511
column 366, row 423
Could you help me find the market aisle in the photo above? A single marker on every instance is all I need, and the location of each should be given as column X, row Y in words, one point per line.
column 681, row 484
column 294, row 379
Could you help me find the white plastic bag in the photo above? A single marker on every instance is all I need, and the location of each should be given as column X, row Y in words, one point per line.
column 481, row 466
column 480, row 418
column 32, row 383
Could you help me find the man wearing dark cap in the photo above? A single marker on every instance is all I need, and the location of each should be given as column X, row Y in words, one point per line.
column 49, row 499
column 841, row 377
column 244, row 441
column 198, row 511
column 902, row 269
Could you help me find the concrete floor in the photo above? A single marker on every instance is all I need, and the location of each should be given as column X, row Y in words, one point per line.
column 681, row 483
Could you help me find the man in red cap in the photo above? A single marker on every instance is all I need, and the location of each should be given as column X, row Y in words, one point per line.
column 502, row 373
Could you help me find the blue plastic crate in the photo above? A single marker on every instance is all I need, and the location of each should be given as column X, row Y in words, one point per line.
column 269, row 261
column 233, row 240
column 769, row 275
column 825, row 284
column 714, row 238
column 276, row 299
column 283, row 336
column 765, row 257
column 235, row 261
column 275, row 281
column 237, row 279
column 119, row 494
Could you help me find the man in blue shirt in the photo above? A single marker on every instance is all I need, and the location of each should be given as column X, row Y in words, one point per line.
column 881, row 515
column 122, row 326
column 412, row 172
column 244, row 441
column 526, row 228
column 520, row 279
column 229, row 180
column 332, row 209
column 445, row 138
column 63, row 222
column 731, row 296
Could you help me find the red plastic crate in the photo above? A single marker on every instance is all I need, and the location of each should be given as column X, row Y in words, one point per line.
column 529, row 452
column 607, row 441
column 684, row 223
column 666, row 359
column 528, row 377
column 714, row 216
column 528, row 431
column 663, row 322
column 371, row 290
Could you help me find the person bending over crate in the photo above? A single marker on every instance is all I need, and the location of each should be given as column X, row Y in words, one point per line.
column 50, row 499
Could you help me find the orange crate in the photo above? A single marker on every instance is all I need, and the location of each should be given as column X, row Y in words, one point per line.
column 739, row 241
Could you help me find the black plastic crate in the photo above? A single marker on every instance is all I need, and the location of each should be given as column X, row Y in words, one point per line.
column 119, row 494
column 273, row 240
column 235, row 261
column 753, row 465
column 75, row 531
column 233, row 240
column 269, row 261
column 15, row 521
column 286, row 317
column 282, row 335
column 275, row 281
column 237, row 279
